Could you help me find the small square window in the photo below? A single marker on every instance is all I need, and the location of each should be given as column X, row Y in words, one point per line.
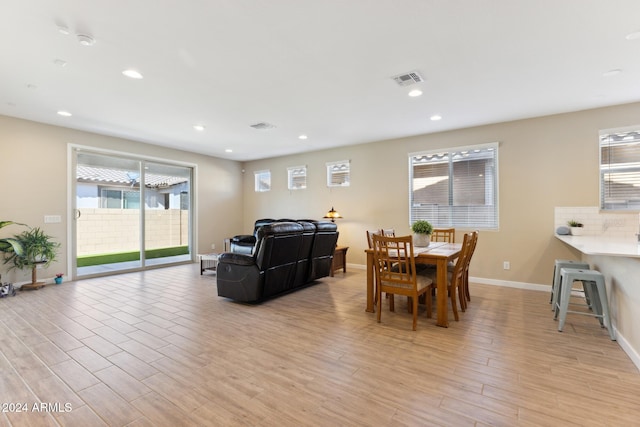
column 339, row 174
column 297, row 177
column 262, row 180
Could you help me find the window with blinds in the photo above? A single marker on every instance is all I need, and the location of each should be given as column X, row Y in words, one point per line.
column 620, row 170
column 339, row 174
column 297, row 177
column 262, row 180
column 456, row 187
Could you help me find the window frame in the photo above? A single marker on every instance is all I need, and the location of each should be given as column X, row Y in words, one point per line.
column 290, row 177
column 265, row 173
column 607, row 141
column 450, row 216
column 330, row 173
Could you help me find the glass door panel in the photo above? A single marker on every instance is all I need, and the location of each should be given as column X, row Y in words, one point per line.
column 167, row 215
column 108, row 215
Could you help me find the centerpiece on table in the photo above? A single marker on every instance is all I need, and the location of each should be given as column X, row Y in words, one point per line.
column 422, row 230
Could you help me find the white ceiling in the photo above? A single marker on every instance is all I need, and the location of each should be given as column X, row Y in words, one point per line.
column 317, row 67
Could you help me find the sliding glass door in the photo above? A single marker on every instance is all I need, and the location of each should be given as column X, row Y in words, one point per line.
column 130, row 213
column 166, row 214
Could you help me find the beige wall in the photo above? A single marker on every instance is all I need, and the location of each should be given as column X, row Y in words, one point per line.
column 33, row 161
column 543, row 163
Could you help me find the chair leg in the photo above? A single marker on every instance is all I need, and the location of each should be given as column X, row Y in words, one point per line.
column 454, row 303
column 466, row 287
column 379, row 302
column 462, row 299
column 428, row 302
column 563, row 304
column 392, row 305
column 414, row 305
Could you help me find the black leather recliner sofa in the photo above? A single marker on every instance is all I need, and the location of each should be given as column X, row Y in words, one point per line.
column 287, row 256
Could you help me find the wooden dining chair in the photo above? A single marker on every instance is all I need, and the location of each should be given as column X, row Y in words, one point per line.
column 447, row 235
column 396, row 272
column 455, row 280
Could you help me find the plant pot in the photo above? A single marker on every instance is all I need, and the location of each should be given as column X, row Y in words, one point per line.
column 577, row 231
column 58, row 280
column 421, row 240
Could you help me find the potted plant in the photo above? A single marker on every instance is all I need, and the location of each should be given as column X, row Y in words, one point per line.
column 10, row 245
column 58, row 278
column 577, row 229
column 421, row 232
column 38, row 248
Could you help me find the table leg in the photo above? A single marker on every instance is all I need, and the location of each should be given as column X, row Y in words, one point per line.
column 441, row 271
column 370, row 308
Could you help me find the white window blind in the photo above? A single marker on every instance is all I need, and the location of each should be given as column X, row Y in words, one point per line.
column 262, row 180
column 455, row 187
column 297, row 177
column 339, row 174
column 620, row 170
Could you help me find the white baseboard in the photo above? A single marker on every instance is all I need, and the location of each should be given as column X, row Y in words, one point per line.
column 627, row 348
column 511, row 284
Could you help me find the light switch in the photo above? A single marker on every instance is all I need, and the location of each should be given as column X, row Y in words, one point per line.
column 52, row 219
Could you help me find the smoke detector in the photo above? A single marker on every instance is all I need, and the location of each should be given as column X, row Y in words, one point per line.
column 85, row 40
column 407, row 79
column 262, row 126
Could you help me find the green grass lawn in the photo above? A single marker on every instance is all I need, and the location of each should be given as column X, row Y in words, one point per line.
column 99, row 259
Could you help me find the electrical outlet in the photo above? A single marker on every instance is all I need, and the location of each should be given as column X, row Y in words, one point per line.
column 213, row 246
column 506, row 265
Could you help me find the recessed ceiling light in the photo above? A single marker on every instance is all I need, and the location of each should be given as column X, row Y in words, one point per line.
column 415, row 92
column 436, row 117
column 199, row 128
column 612, row 72
column 228, row 150
column 64, row 113
column 60, row 62
column 302, row 137
column 132, row 74
column 85, row 40
column 633, row 36
column 63, row 30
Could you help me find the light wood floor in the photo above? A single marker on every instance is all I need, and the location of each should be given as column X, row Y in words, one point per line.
column 160, row 348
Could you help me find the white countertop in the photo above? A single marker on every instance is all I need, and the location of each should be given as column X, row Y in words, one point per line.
column 599, row 245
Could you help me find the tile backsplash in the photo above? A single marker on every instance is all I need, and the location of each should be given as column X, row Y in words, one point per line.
column 597, row 223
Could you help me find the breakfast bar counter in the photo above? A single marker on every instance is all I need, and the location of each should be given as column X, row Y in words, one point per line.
column 618, row 259
column 599, row 245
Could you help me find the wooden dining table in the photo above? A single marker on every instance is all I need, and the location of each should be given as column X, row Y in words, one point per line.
column 437, row 253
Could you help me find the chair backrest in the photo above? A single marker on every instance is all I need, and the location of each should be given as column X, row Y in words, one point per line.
column 370, row 234
column 389, row 232
column 444, row 235
column 462, row 264
column 276, row 255
column 394, row 261
column 472, row 249
column 324, row 244
column 304, row 256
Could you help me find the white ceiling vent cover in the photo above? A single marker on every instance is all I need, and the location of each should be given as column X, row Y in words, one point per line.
column 262, row 126
column 408, row 79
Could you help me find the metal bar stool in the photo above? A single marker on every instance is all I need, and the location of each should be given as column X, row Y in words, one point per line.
column 592, row 279
column 559, row 264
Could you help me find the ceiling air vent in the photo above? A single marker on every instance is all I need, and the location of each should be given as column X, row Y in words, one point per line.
column 262, row 126
column 408, row 79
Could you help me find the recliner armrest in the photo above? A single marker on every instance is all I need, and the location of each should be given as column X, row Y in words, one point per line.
column 236, row 259
column 244, row 239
